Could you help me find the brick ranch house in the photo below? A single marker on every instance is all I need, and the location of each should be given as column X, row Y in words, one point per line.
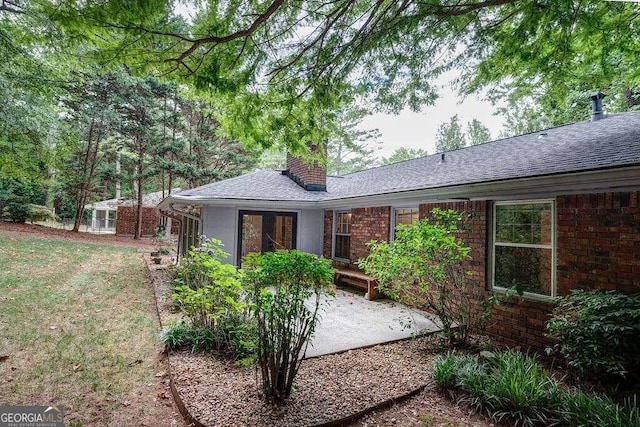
column 554, row 210
column 118, row 215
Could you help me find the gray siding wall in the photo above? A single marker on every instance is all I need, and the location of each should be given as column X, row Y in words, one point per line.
column 310, row 231
column 222, row 223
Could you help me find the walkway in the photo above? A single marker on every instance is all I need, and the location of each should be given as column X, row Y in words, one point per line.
column 350, row 321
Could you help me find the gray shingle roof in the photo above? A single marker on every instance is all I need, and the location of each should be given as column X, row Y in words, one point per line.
column 148, row 200
column 611, row 142
column 258, row 185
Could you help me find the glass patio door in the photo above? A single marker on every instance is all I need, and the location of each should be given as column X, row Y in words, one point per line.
column 263, row 231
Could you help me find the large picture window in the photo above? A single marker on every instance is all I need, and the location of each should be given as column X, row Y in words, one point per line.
column 523, row 247
column 342, row 236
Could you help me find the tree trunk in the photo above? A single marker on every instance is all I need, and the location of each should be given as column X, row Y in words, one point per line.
column 80, row 202
column 118, row 171
column 139, row 181
column 631, row 98
column 138, row 231
column 88, row 167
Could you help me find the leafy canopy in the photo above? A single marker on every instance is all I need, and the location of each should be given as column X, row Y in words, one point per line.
column 281, row 68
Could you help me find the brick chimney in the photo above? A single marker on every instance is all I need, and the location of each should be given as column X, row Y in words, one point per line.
column 311, row 177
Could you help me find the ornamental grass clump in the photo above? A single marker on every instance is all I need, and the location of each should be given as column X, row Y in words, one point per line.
column 514, row 389
column 588, row 409
column 286, row 289
column 509, row 387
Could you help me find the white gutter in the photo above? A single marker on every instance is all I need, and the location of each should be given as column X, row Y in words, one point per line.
column 248, row 203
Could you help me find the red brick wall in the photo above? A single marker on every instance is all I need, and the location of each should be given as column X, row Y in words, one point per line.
column 368, row 224
column 126, row 222
column 521, row 322
column 516, row 321
column 598, row 242
column 597, row 246
column 327, row 244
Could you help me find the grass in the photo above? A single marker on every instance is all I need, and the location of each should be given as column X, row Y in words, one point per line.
column 78, row 327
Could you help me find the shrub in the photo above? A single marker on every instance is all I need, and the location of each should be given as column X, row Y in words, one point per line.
column 202, row 266
column 582, row 409
column 16, row 198
column 23, row 212
column 449, row 369
column 285, row 289
column 597, row 332
column 41, row 213
column 424, row 267
column 523, row 390
column 509, row 386
column 212, row 297
column 17, row 212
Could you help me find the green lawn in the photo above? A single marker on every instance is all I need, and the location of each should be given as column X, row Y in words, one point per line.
column 78, row 325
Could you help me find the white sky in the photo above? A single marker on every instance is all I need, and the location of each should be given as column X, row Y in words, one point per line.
column 418, row 130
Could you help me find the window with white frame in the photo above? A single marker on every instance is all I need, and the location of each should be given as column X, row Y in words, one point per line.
column 342, row 237
column 404, row 216
column 524, row 246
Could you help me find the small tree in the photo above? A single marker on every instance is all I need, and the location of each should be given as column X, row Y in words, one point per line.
column 286, row 287
column 424, row 267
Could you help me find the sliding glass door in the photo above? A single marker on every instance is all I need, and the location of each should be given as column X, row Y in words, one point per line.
column 265, row 231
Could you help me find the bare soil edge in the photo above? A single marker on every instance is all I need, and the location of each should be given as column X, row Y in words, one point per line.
column 382, row 405
column 183, row 408
column 151, row 279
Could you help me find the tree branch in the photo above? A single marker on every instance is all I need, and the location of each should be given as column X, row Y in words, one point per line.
column 11, row 7
column 459, row 9
column 261, row 19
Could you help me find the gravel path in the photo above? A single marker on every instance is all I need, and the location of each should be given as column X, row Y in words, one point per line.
column 328, row 388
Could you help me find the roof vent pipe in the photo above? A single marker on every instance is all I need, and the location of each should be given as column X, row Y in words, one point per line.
column 596, row 106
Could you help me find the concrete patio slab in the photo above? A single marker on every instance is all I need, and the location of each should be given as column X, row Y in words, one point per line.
column 350, row 321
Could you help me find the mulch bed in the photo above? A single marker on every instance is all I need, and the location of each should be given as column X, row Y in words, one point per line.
column 353, row 386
